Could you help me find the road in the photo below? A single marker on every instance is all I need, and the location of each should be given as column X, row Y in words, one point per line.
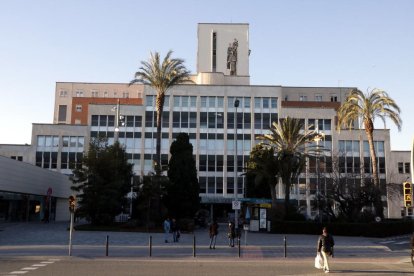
column 178, row 267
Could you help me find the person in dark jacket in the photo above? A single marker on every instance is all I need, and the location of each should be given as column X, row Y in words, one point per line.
column 325, row 247
column 213, row 231
column 231, row 233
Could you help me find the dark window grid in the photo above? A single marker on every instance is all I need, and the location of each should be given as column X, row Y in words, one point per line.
column 202, row 181
column 95, row 120
column 407, row 167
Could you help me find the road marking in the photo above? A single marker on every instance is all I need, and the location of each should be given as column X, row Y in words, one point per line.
column 39, row 265
column 385, row 242
column 18, row 272
column 403, row 242
column 47, row 262
column 29, row 268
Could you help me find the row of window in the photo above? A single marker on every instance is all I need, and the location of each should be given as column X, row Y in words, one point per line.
column 96, row 94
column 214, row 185
column 51, row 143
column 317, row 98
column 353, row 147
column 109, row 120
column 215, row 102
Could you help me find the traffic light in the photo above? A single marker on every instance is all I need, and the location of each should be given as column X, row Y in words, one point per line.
column 72, row 204
column 408, row 194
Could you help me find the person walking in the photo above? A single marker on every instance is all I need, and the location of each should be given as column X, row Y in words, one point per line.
column 175, row 230
column 231, row 234
column 213, row 234
column 167, row 229
column 325, row 247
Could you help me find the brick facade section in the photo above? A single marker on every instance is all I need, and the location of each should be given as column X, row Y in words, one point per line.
column 85, row 102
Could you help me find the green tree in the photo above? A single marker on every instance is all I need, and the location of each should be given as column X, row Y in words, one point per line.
column 147, row 206
column 289, row 140
column 263, row 168
column 368, row 107
column 102, row 181
column 161, row 75
column 182, row 199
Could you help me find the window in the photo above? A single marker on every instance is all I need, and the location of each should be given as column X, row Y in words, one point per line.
column 79, row 93
column 214, row 53
column 400, row 167
column 95, row 94
column 334, row 98
column 63, row 93
column 407, row 167
column 303, row 98
column 78, row 108
column 318, row 98
column 220, row 101
column 246, row 102
column 177, row 101
column 193, row 101
column 62, row 113
column 203, row 101
column 273, row 102
column 265, row 102
column 125, row 94
column 150, row 100
column 106, row 94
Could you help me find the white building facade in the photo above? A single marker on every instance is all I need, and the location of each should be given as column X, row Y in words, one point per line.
column 205, row 110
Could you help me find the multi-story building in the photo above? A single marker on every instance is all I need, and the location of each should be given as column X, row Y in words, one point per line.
column 205, row 109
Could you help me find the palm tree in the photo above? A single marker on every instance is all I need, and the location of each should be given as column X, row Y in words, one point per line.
column 367, row 107
column 289, row 138
column 161, row 76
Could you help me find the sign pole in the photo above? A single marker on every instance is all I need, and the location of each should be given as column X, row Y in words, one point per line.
column 70, row 233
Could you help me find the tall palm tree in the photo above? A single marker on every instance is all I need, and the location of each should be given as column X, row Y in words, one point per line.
column 368, row 107
column 293, row 144
column 161, row 75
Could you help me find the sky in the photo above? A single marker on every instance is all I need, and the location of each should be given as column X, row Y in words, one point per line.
column 366, row 44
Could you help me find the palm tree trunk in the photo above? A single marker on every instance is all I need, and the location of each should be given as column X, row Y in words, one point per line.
column 287, row 183
column 159, row 108
column 369, row 131
column 272, row 186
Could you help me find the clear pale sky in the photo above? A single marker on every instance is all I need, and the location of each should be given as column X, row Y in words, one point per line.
column 353, row 43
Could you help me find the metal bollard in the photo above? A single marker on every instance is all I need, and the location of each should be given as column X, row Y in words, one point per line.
column 107, row 245
column 285, row 246
column 238, row 241
column 194, row 246
column 150, row 246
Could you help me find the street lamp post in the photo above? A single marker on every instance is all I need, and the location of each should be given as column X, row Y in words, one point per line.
column 318, row 138
column 236, row 184
column 117, row 122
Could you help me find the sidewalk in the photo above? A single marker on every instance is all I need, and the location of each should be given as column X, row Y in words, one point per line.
column 20, row 239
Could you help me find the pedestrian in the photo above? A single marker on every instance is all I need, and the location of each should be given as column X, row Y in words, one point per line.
column 325, row 247
column 231, row 234
column 175, row 230
column 213, row 231
column 167, row 229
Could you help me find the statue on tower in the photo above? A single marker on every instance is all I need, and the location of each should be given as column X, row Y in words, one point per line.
column 232, row 57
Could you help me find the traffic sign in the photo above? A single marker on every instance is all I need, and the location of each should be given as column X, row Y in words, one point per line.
column 236, row 205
